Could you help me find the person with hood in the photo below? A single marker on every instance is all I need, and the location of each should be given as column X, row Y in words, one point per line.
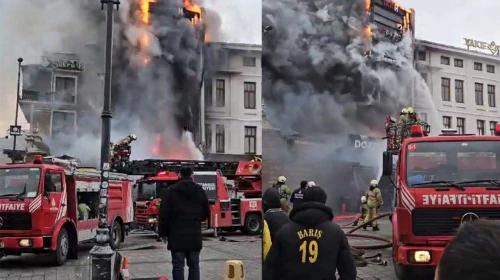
column 274, row 216
column 285, row 193
column 298, row 194
column 183, row 207
column 311, row 246
column 374, row 202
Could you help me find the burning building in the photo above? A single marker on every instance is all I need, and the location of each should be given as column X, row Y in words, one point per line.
column 158, row 73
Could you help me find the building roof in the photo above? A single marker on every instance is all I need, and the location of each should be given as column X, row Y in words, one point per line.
column 457, row 50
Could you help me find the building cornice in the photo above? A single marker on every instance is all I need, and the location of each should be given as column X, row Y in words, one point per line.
column 456, row 50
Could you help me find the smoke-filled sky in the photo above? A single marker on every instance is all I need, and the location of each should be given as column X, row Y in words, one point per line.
column 449, row 21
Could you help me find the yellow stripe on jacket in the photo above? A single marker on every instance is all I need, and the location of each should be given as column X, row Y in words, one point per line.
column 266, row 240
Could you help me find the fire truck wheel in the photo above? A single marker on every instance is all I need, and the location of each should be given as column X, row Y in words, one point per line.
column 116, row 235
column 253, row 224
column 62, row 250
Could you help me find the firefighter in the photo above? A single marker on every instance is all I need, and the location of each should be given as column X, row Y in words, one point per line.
column 374, row 202
column 363, row 212
column 403, row 116
column 83, row 209
column 413, row 116
column 284, row 192
column 298, row 194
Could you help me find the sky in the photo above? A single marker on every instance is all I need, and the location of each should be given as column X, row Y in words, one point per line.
column 449, row 21
column 241, row 19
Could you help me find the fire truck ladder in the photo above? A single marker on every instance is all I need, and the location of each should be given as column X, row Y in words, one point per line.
column 151, row 167
column 397, row 133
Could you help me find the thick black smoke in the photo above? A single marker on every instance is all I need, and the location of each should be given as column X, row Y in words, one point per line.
column 316, row 77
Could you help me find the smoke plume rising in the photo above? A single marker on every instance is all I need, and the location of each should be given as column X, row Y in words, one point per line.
column 156, row 73
column 317, row 79
column 319, row 83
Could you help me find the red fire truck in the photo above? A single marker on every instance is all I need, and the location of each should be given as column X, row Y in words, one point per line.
column 233, row 188
column 441, row 182
column 39, row 209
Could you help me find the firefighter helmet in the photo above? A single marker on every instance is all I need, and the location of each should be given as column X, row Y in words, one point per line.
column 410, row 110
column 363, row 199
column 404, row 111
column 374, row 183
column 311, row 184
column 281, row 179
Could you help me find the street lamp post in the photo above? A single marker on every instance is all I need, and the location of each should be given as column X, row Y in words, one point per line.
column 103, row 256
column 16, row 119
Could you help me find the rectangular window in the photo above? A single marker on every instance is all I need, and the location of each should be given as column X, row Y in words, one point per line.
column 65, row 89
column 445, row 60
column 492, row 100
column 445, row 89
column 63, row 124
column 250, row 139
column 478, row 87
column 249, row 92
column 459, row 91
column 423, row 116
column 422, row 56
column 208, row 138
column 490, row 68
column 208, row 96
column 480, row 127
column 478, row 66
column 493, row 126
column 220, row 93
column 446, row 122
column 220, row 138
column 249, row 61
column 461, row 125
column 459, row 63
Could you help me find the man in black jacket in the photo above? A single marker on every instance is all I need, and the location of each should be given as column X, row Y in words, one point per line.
column 311, row 246
column 183, row 207
column 274, row 216
column 297, row 196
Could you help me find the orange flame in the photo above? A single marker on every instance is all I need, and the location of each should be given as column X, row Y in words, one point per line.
column 158, row 150
column 190, row 6
column 368, row 5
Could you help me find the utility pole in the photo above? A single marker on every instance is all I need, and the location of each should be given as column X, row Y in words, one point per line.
column 103, row 256
column 16, row 119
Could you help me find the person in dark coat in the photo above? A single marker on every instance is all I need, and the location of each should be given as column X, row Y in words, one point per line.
column 311, row 246
column 183, row 207
column 274, row 216
column 298, row 195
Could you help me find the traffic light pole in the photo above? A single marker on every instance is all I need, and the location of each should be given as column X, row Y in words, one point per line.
column 103, row 256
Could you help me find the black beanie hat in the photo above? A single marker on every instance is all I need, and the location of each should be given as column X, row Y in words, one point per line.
column 315, row 194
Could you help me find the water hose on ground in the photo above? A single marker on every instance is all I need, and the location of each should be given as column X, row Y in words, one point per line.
column 359, row 250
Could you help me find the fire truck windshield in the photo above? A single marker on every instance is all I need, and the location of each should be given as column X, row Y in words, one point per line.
column 19, row 182
column 471, row 162
column 149, row 190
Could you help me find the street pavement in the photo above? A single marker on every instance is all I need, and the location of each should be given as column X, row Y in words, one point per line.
column 147, row 258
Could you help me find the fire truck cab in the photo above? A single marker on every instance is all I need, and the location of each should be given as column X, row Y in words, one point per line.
column 441, row 182
column 39, row 208
column 233, row 206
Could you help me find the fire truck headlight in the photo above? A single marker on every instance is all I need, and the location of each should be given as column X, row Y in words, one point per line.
column 152, row 220
column 25, row 243
column 421, row 256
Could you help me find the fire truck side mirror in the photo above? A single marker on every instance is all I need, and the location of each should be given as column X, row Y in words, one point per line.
column 387, row 164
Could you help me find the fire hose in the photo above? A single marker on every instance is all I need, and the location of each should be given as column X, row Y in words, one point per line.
column 358, row 251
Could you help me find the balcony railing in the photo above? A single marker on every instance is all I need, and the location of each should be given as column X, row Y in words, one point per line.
column 61, row 97
column 30, row 95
